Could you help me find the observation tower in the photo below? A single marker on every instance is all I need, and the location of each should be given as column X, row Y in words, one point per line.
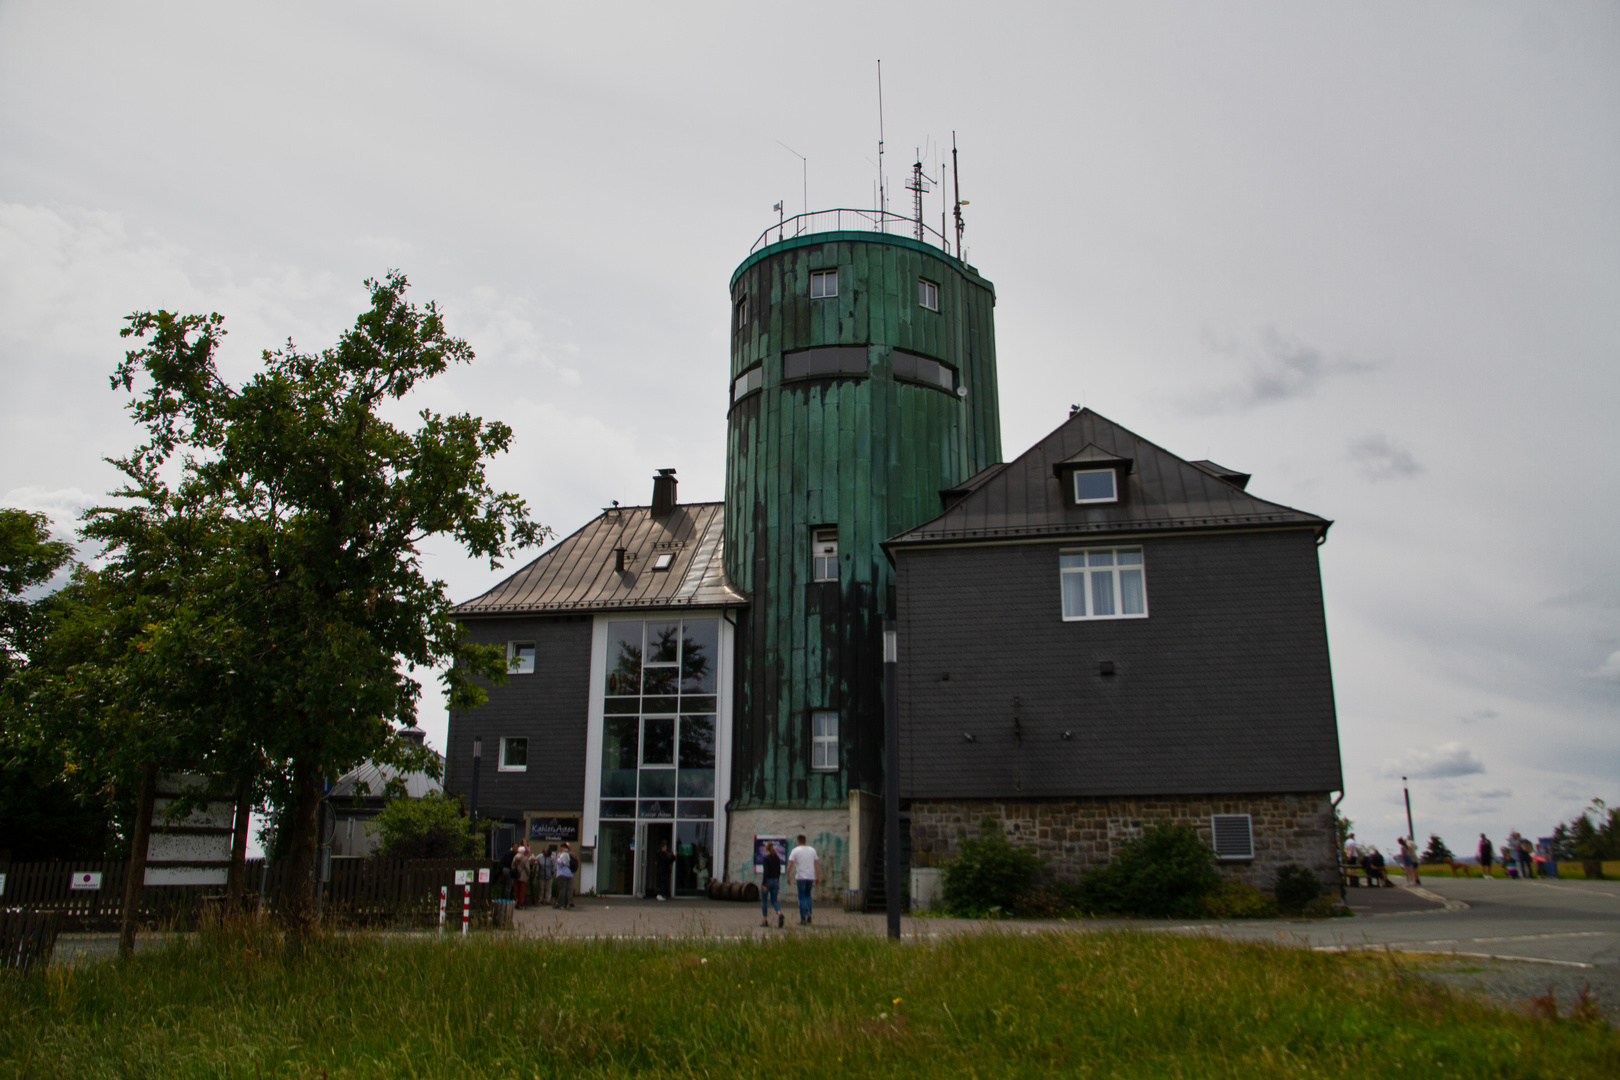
column 863, row 389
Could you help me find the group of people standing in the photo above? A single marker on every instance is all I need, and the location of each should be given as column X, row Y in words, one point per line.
column 545, row 877
column 1518, row 856
column 802, row 862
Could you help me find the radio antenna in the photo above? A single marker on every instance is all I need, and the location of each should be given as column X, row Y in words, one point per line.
column 804, row 164
column 882, row 191
column 956, row 178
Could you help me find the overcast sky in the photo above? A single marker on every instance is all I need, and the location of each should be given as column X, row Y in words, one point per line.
column 1369, row 253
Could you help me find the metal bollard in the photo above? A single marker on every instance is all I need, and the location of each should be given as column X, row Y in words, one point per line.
column 466, row 908
column 444, row 899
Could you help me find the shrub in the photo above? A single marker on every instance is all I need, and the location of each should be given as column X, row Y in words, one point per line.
column 1048, row 901
column 432, row 827
column 987, row 873
column 1166, row 873
column 1236, row 900
column 1296, row 886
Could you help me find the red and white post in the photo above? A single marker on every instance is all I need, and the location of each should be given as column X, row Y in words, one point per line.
column 466, row 908
column 444, row 900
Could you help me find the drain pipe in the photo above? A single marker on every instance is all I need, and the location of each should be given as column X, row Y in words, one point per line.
column 1338, row 855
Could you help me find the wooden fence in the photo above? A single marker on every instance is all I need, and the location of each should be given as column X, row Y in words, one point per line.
column 362, row 892
column 26, row 938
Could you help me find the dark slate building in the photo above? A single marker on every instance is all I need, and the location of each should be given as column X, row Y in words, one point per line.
column 1100, row 634
column 1096, row 635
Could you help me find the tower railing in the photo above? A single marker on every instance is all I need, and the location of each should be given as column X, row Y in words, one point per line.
column 845, row 218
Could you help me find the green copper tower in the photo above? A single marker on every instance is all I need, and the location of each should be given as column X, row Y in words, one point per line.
column 863, row 369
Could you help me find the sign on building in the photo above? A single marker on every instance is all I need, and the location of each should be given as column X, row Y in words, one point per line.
column 85, row 880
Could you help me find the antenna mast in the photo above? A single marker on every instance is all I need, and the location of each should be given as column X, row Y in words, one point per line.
column 882, row 192
column 919, row 184
column 956, row 178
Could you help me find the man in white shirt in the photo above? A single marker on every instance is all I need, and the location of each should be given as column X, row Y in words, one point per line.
column 802, row 862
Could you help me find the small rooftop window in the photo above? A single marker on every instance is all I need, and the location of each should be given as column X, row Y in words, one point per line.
column 823, row 283
column 1095, row 486
column 663, row 561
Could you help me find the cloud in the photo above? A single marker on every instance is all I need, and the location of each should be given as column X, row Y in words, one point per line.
column 1479, row 714
column 1381, row 459
column 1282, row 368
column 63, row 505
column 1435, row 762
column 1609, row 670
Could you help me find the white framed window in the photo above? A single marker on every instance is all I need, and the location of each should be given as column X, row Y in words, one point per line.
column 824, row 555
column 520, row 657
column 1103, row 583
column 514, row 755
column 928, row 294
column 824, row 741
column 663, row 560
column 823, row 283
column 742, row 311
column 1095, row 486
column 1233, row 835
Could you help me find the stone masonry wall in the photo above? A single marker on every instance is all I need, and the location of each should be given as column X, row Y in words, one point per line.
column 1076, row 835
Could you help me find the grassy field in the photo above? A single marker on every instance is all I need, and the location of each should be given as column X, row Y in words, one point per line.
column 991, row 1005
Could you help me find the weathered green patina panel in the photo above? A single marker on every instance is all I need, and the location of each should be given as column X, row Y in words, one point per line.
column 867, row 454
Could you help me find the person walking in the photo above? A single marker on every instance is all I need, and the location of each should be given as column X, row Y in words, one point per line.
column 803, row 859
column 770, row 886
column 565, row 879
column 1486, row 853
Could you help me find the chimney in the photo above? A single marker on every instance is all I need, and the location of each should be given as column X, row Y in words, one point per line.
column 663, row 502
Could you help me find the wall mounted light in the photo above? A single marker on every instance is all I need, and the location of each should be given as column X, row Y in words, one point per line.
column 1067, row 735
column 967, row 737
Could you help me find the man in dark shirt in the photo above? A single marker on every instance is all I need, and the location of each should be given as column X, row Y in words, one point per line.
column 770, row 886
column 506, row 870
column 666, row 871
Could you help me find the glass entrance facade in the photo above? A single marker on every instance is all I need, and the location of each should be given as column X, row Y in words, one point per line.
column 658, row 756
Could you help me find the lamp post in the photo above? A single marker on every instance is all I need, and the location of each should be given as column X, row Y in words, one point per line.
column 478, row 760
column 891, row 781
column 1411, row 834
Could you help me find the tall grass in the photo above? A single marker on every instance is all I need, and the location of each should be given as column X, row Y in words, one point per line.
column 1125, row 1005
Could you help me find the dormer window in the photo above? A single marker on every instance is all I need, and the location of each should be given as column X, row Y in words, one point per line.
column 1095, row 486
column 1093, row 477
column 823, row 283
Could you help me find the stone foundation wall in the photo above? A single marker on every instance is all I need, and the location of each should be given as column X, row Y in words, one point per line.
column 826, row 830
column 1076, row 835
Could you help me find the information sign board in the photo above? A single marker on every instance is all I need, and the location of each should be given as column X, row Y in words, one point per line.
column 85, row 879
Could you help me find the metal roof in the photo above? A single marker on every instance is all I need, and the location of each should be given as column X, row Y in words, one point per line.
column 579, row 574
column 1162, row 492
column 367, row 780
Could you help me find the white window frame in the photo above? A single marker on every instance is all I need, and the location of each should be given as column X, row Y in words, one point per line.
column 1089, row 574
column 1113, row 484
column 824, row 554
column 823, row 746
column 820, row 278
column 512, row 648
column 1230, row 821
column 928, row 294
column 742, row 311
column 500, row 762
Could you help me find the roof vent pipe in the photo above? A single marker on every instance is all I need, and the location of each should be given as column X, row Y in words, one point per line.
column 618, row 559
column 663, row 500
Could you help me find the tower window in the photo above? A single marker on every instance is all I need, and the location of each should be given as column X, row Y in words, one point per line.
column 823, row 283
column 928, row 294
column 747, row 383
column 824, row 555
column 824, row 741
column 742, row 311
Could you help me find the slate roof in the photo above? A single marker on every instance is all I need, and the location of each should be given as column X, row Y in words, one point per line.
column 1162, row 492
column 578, row 573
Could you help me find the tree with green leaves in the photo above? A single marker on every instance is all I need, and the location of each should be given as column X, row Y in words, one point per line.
column 1437, row 852
column 304, row 609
